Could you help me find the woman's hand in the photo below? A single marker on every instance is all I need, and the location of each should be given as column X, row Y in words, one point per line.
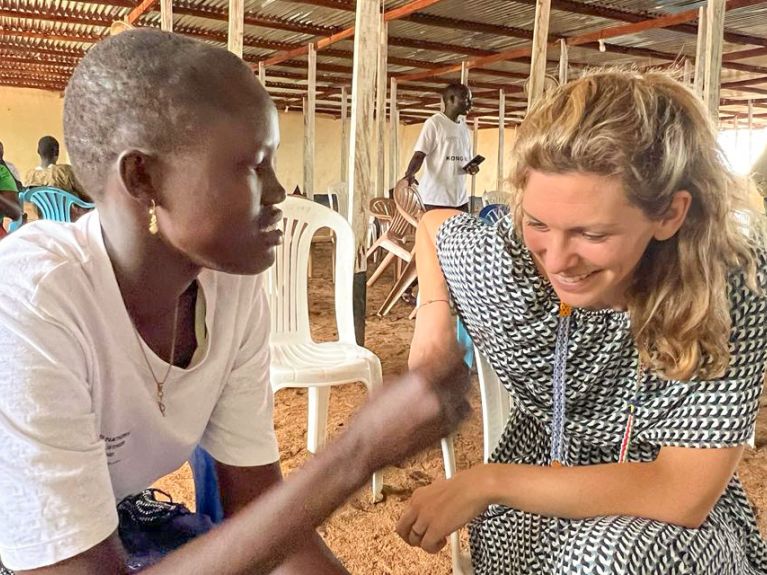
column 439, row 509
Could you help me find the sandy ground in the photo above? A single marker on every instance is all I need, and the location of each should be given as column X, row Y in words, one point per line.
column 361, row 533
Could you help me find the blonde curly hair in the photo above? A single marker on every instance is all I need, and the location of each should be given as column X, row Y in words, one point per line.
column 655, row 135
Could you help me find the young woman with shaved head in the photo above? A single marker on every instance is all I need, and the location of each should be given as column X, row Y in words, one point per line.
column 142, row 330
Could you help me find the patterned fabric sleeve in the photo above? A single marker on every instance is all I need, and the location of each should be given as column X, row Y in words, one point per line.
column 721, row 412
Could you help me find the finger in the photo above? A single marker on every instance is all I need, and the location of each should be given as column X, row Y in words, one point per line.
column 431, row 544
column 406, row 522
column 414, row 537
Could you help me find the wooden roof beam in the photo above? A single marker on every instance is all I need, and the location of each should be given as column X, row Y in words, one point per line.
column 347, row 33
column 625, row 16
column 142, row 8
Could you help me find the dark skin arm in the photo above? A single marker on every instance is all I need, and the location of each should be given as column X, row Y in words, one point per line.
column 9, row 205
column 412, row 412
column 412, row 168
column 241, row 485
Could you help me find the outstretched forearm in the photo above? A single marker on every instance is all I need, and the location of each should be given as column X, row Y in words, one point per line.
column 280, row 521
column 680, row 487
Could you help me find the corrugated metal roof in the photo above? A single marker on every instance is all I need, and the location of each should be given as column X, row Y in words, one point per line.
column 41, row 40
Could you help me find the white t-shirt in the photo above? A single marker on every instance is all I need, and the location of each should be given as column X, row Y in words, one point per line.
column 447, row 146
column 79, row 424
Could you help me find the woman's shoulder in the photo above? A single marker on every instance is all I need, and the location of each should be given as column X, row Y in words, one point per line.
column 466, row 234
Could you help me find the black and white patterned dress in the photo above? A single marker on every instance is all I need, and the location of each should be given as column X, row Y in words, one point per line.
column 511, row 314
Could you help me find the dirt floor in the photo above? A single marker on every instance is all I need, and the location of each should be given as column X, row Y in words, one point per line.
column 361, row 533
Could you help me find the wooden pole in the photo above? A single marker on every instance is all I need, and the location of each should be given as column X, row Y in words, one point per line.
column 393, row 134
column 538, row 58
column 262, row 73
column 563, row 61
column 714, row 37
column 310, row 106
column 687, row 72
column 362, row 144
column 236, row 26
column 501, row 137
column 750, row 133
column 700, row 53
column 344, row 136
column 381, row 112
column 166, row 15
column 475, row 147
column 464, row 74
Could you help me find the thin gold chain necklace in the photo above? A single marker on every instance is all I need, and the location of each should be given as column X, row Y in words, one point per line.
column 160, row 384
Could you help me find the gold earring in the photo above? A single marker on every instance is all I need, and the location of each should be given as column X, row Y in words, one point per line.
column 153, row 228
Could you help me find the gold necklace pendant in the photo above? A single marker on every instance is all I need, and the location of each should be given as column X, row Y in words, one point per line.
column 159, row 384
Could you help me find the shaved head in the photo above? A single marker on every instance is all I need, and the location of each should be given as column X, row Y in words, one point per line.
column 454, row 89
column 152, row 91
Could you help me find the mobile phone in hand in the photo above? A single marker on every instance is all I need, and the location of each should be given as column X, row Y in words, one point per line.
column 474, row 162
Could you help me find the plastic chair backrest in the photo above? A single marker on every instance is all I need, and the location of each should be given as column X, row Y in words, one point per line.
column 408, row 202
column 53, row 203
column 382, row 208
column 496, row 404
column 287, row 283
column 494, row 213
column 338, row 197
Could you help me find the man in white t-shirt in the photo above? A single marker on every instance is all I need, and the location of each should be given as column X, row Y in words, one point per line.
column 443, row 149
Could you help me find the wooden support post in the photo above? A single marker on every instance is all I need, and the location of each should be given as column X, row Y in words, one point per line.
column 344, row 136
column 750, row 132
column 563, row 61
column 262, row 73
column 464, row 73
column 310, row 106
column 700, row 53
column 381, row 112
column 363, row 143
column 236, row 26
column 501, row 137
column 714, row 37
column 475, row 147
column 538, row 58
column 393, row 135
column 687, row 72
column 166, row 15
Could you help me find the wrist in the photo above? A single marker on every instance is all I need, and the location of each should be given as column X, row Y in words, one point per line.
column 489, row 482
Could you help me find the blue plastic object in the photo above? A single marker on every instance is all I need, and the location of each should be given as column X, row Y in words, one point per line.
column 206, row 494
column 493, row 213
column 54, row 204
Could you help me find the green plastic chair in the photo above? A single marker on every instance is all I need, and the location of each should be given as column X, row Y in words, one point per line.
column 54, row 204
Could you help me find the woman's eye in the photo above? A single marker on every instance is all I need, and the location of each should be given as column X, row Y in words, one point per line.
column 537, row 226
column 594, row 237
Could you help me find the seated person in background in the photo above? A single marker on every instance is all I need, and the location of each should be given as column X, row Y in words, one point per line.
column 49, row 173
column 11, row 167
column 9, row 200
column 141, row 330
column 623, row 307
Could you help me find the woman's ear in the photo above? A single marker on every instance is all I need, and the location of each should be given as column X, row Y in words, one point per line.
column 674, row 217
column 138, row 175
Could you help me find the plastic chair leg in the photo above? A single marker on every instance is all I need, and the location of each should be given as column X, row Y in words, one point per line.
column 458, row 559
column 381, row 268
column 318, row 418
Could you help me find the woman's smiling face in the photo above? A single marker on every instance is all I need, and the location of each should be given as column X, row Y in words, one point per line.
column 585, row 236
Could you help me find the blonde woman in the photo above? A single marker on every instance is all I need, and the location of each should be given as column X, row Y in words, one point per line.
column 622, row 307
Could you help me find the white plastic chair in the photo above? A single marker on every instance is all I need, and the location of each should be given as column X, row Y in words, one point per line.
column 496, row 197
column 297, row 360
column 496, row 403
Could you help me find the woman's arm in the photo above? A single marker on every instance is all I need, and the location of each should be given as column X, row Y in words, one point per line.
column 411, row 414
column 434, row 337
column 680, row 487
